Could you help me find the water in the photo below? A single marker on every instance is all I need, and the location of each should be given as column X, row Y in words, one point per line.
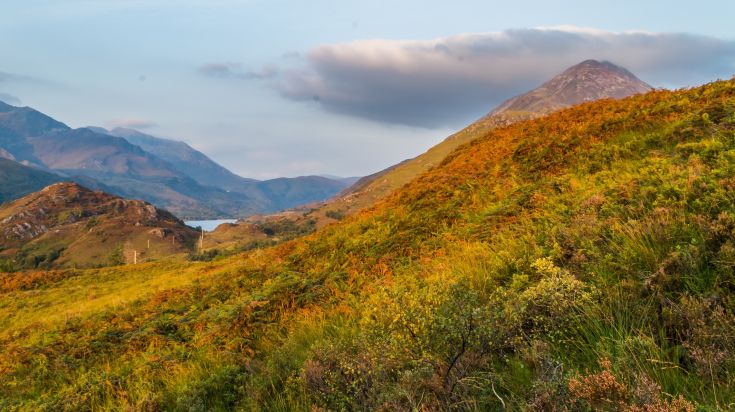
column 208, row 225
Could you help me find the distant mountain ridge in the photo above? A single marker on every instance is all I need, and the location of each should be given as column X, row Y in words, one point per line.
column 273, row 194
column 182, row 157
column 167, row 173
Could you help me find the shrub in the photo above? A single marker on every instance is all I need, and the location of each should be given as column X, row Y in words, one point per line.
column 117, row 257
column 603, row 391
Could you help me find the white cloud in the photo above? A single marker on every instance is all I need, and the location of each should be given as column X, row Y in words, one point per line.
column 448, row 81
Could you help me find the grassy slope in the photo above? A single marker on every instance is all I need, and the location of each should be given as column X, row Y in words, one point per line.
column 79, row 293
column 395, row 178
column 583, row 260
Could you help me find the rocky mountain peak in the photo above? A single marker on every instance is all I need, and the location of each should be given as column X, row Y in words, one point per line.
column 587, row 81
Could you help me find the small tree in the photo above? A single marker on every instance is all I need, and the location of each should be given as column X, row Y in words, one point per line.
column 117, row 257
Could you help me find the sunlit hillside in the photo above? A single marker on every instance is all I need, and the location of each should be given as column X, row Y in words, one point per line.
column 67, row 225
column 583, row 261
column 587, row 81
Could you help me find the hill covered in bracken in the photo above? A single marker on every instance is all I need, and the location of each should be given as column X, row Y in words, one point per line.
column 581, row 261
column 66, row 224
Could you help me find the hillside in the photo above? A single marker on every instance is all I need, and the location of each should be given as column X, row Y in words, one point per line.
column 587, row 81
column 19, row 180
column 581, row 261
column 18, row 123
column 68, row 225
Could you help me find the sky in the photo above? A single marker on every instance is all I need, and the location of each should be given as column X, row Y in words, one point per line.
column 272, row 88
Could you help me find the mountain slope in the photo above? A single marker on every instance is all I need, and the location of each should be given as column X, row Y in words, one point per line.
column 66, row 224
column 586, row 81
column 288, row 192
column 184, row 158
column 85, row 150
column 19, row 180
column 580, row 261
column 271, row 195
column 18, row 123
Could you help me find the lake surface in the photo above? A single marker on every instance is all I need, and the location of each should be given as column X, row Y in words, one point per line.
column 208, row 225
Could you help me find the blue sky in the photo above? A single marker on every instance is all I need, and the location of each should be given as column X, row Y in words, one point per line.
column 284, row 88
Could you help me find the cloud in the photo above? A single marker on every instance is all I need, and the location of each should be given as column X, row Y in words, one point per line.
column 448, row 81
column 10, row 99
column 6, row 77
column 235, row 71
column 131, row 124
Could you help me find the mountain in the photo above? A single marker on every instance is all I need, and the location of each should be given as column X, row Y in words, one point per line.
column 19, row 180
column 166, row 173
column 271, row 195
column 18, row 123
column 587, row 81
column 347, row 180
column 35, row 139
column 580, row 261
column 68, row 225
column 288, row 192
column 184, row 158
column 85, row 151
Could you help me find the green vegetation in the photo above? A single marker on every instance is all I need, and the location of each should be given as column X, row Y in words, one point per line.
column 335, row 214
column 117, row 257
column 286, row 229
column 583, row 261
column 263, row 234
